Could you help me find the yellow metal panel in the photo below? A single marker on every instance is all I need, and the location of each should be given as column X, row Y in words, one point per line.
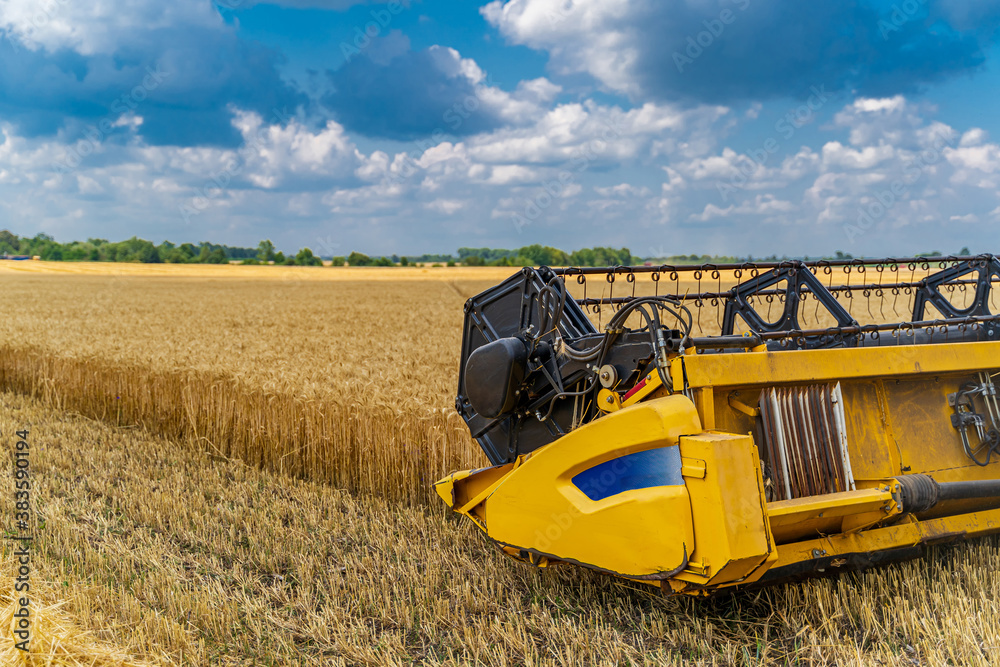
column 785, row 512
column 764, row 368
column 794, row 519
column 867, row 440
column 705, row 402
column 638, row 533
column 903, row 534
column 732, row 537
column 920, row 422
column 732, row 407
column 477, row 485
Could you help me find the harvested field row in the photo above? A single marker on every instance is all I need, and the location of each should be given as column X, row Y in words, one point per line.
column 174, row 557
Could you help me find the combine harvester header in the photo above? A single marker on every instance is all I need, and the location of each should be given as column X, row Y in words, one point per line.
column 702, row 427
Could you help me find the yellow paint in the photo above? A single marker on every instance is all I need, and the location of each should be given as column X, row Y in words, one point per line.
column 637, row 533
column 732, row 536
column 608, row 400
column 791, row 366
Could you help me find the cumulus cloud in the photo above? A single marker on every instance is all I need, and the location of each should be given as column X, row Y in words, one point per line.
column 432, row 92
column 99, row 26
column 720, row 51
column 73, row 67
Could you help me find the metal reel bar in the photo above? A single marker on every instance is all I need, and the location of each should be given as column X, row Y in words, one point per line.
column 792, row 281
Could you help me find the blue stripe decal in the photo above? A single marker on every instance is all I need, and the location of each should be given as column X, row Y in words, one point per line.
column 641, row 470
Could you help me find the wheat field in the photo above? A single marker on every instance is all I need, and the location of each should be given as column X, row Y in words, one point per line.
column 233, row 466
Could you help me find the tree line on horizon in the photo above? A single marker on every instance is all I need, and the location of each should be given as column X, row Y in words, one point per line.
column 138, row 250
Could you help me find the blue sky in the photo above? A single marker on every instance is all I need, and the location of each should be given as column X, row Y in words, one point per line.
column 668, row 126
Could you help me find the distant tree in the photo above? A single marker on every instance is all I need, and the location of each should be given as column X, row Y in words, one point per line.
column 9, row 243
column 149, row 254
column 538, row 255
column 965, row 251
column 265, row 251
column 305, row 257
column 403, row 261
column 473, row 260
column 487, row 254
column 357, row 259
column 279, row 257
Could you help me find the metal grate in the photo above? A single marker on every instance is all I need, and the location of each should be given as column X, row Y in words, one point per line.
column 806, row 441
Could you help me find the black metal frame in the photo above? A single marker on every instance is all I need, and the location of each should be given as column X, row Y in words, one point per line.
column 798, row 279
column 973, row 322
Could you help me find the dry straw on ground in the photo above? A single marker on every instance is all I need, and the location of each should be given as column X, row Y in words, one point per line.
column 175, row 557
column 56, row 638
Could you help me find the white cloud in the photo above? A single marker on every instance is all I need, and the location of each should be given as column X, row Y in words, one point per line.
column 276, row 153
column 507, row 174
column 974, row 137
column 577, row 35
column 836, row 155
column 984, row 158
column 622, row 190
column 88, row 186
column 761, row 205
column 446, row 206
column 98, row 26
column 586, row 131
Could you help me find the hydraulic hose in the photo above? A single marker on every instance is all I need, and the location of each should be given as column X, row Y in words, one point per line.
column 921, row 492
